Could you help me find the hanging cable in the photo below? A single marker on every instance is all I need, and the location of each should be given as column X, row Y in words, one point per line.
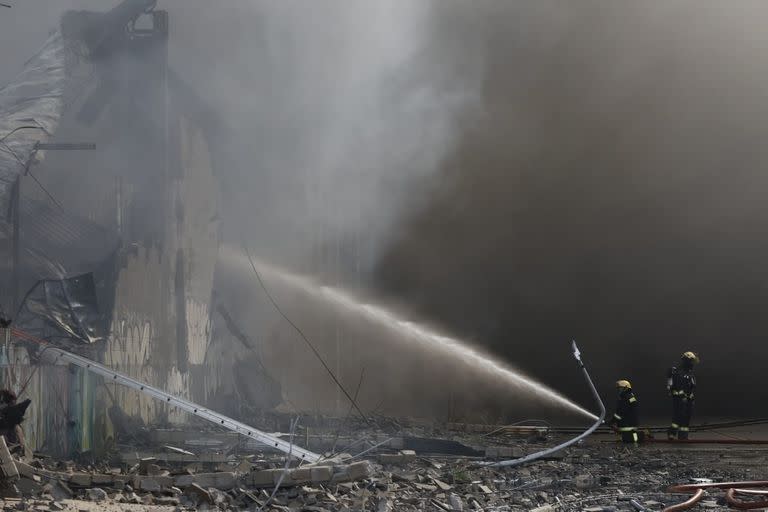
column 25, row 166
column 285, row 468
column 303, row 336
column 19, row 128
column 50, row 196
column 344, row 421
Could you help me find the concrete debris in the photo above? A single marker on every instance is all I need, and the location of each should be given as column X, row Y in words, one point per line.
column 96, row 494
column 595, row 476
column 456, row 504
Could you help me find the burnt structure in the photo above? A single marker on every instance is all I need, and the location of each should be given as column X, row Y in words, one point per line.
column 123, row 214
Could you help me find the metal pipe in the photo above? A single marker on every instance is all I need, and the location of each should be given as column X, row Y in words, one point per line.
column 549, row 451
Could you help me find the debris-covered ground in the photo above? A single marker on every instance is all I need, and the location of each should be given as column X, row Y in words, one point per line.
column 397, row 467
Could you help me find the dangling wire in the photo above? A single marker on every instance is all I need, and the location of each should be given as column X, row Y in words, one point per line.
column 304, row 337
column 285, row 468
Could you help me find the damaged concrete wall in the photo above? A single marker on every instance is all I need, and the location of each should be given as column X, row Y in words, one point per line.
column 161, row 325
column 164, row 205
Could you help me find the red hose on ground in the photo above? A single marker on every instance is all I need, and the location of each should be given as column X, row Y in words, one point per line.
column 731, row 489
column 751, row 484
column 730, row 497
column 706, row 441
column 687, row 504
column 757, row 492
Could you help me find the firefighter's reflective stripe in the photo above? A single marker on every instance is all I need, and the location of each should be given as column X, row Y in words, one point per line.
column 677, row 392
column 627, row 429
column 675, row 425
column 684, row 429
column 634, row 437
column 616, row 416
column 632, row 400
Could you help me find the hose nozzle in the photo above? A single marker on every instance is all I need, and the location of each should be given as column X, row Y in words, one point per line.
column 576, row 352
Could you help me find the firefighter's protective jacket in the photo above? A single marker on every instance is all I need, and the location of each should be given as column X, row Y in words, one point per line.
column 681, row 383
column 626, row 417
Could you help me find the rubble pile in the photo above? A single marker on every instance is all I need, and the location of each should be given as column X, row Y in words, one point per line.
column 447, row 473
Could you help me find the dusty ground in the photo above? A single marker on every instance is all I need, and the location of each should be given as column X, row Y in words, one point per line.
column 598, row 475
column 82, row 506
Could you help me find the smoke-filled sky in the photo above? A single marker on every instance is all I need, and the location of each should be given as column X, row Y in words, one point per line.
column 520, row 173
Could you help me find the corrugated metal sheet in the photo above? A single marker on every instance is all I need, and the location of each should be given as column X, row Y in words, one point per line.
column 63, row 311
column 57, row 244
column 30, row 109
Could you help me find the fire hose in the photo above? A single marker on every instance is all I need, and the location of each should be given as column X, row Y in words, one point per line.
column 732, row 489
column 586, row 433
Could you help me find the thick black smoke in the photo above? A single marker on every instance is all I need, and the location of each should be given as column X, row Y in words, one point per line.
column 613, row 191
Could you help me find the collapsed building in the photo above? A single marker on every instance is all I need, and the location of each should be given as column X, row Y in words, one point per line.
column 120, row 217
column 115, row 250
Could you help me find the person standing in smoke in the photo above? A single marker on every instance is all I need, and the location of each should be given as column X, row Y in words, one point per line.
column 681, row 384
column 625, row 420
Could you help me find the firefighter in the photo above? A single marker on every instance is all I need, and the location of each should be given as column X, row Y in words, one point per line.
column 625, row 419
column 681, row 384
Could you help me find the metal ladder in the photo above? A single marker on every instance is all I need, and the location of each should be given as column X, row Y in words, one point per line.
column 185, row 405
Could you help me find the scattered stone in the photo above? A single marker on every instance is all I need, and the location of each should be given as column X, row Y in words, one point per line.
column 96, row 494
column 145, row 463
column 149, row 485
column 199, row 494
column 456, row 504
column 101, row 480
column 263, row 478
column 301, row 475
column 28, row 487
column 585, row 481
column 80, row 479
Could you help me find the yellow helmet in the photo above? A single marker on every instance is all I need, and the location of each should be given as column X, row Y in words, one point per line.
column 623, row 384
column 691, row 355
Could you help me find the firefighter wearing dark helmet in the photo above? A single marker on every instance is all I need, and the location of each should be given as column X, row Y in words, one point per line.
column 625, row 419
column 681, row 383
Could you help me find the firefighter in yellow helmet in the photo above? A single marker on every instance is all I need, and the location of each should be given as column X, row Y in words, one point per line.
column 625, row 420
column 681, row 384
